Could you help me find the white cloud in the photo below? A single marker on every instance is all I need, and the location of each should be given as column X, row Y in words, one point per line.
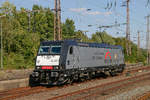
column 36, row 0
column 93, row 13
column 98, row 13
column 108, row 13
column 84, row 11
column 78, row 9
column 117, row 14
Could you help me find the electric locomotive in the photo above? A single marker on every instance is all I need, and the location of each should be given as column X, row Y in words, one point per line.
column 60, row 62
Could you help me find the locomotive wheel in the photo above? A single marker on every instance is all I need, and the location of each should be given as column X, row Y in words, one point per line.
column 70, row 80
column 82, row 79
column 32, row 83
column 122, row 69
column 104, row 75
column 62, row 80
column 113, row 73
column 88, row 77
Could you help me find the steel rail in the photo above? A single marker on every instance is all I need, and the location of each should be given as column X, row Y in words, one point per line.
column 24, row 91
column 99, row 86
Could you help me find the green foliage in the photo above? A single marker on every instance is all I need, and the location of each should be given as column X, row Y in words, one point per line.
column 68, row 29
column 136, row 56
column 20, row 42
column 22, row 35
column 103, row 37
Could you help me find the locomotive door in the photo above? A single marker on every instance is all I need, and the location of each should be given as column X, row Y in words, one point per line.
column 73, row 57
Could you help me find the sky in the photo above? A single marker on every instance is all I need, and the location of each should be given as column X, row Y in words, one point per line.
column 98, row 15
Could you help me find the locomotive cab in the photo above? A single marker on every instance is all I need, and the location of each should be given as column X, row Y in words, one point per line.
column 47, row 64
column 48, row 57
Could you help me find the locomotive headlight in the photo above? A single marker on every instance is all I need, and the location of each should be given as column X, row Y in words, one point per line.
column 56, row 67
column 36, row 74
column 65, row 75
column 38, row 67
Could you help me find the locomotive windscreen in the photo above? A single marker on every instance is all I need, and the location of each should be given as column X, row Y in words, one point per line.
column 44, row 50
column 50, row 49
column 56, row 49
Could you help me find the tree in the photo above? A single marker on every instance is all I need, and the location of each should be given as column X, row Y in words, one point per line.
column 21, row 45
column 68, row 29
column 99, row 36
column 80, row 35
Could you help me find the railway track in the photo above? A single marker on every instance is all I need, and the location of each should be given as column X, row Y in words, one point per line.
column 15, row 93
column 145, row 96
column 100, row 90
column 20, row 92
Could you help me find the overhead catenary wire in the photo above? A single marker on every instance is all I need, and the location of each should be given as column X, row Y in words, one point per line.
column 135, row 20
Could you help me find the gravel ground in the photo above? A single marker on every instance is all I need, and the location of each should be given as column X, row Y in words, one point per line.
column 68, row 89
column 130, row 93
column 14, row 74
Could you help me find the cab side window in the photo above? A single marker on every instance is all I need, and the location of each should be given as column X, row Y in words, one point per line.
column 71, row 50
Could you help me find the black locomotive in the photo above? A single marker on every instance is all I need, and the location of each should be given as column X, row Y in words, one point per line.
column 60, row 62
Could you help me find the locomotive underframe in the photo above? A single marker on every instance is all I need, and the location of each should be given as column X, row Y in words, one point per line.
column 63, row 76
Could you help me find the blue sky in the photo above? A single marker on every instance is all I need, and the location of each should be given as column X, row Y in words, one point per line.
column 98, row 15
